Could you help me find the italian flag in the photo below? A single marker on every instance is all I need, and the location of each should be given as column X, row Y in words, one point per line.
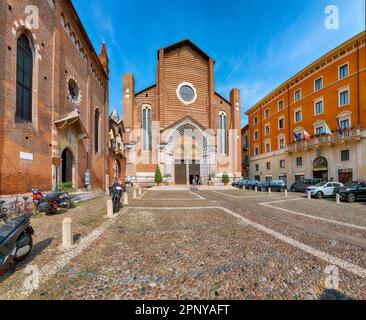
column 306, row 135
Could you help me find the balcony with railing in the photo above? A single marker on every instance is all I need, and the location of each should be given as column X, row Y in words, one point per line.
column 315, row 141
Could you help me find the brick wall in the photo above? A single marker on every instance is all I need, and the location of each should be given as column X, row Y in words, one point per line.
column 57, row 59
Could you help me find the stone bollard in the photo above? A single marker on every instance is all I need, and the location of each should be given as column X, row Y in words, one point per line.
column 140, row 191
column 338, row 198
column 110, row 212
column 309, row 195
column 67, row 237
column 134, row 193
column 256, row 189
column 245, row 188
column 286, row 193
column 270, row 191
column 125, row 199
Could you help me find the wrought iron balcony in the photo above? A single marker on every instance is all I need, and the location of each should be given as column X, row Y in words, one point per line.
column 315, row 141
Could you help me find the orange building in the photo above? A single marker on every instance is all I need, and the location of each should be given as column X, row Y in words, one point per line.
column 313, row 125
column 245, row 138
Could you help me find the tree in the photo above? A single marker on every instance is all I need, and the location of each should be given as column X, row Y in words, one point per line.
column 158, row 176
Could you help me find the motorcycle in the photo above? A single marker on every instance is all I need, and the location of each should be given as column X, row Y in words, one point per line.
column 16, row 240
column 47, row 204
column 116, row 193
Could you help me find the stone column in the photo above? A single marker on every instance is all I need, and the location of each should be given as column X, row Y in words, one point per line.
column 67, row 237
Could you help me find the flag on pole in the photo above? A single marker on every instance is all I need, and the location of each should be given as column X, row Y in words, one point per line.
column 340, row 130
column 328, row 130
column 297, row 136
column 306, row 135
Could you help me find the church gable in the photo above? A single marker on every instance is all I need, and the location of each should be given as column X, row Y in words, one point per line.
column 184, row 65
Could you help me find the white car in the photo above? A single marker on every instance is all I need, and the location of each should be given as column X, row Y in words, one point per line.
column 324, row 189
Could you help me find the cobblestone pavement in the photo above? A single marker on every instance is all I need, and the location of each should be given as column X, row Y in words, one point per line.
column 209, row 245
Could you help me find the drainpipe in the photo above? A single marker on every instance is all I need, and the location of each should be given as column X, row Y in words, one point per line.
column 358, row 86
column 288, row 113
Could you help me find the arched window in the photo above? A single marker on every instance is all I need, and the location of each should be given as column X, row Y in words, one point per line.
column 96, row 130
column 223, row 132
column 24, row 79
column 146, row 129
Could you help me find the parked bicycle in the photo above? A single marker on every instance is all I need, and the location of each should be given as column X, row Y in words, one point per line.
column 15, row 208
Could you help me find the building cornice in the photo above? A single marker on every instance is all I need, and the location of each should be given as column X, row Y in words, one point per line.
column 327, row 59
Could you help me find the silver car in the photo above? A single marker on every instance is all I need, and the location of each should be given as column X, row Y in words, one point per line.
column 323, row 189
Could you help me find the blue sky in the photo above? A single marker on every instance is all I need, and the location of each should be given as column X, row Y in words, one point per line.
column 257, row 44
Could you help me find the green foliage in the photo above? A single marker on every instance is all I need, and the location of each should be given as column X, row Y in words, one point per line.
column 66, row 186
column 158, row 176
column 225, row 178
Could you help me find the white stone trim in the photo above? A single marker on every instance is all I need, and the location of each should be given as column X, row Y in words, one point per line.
column 183, row 84
column 340, row 91
column 320, row 99
column 339, row 69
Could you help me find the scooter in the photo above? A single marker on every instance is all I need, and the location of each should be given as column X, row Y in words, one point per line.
column 16, row 240
column 116, row 193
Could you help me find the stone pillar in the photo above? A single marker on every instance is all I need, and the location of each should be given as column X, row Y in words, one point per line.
column 67, row 237
column 134, row 193
column 187, row 174
column 107, row 184
column 338, row 198
column 110, row 212
column 125, row 199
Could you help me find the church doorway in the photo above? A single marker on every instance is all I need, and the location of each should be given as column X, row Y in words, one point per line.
column 67, row 165
column 180, row 173
column 194, row 170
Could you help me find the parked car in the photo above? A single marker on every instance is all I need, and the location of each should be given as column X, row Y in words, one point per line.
column 278, row 185
column 354, row 192
column 251, row 184
column 303, row 185
column 238, row 184
column 349, row 184
column 324, row 189
column 243, row 183
column 274, row 185
column 263, row 186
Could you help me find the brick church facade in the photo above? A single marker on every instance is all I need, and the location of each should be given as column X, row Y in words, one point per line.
column 181, row 124
column 54, row 118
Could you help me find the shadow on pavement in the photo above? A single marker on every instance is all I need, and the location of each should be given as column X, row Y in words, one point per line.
column 37, row 249
column 333, row 295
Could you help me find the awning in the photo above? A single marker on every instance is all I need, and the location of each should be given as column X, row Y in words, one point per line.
column 72, row 120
